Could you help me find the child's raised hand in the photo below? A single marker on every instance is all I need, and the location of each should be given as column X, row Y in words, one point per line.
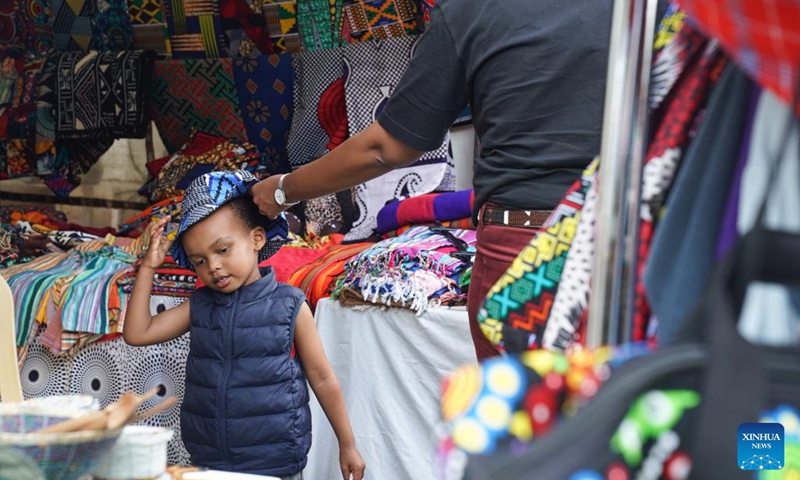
column 351, row 463
column 159, row 245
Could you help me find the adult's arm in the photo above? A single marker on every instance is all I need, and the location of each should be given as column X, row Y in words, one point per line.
column 363, row 157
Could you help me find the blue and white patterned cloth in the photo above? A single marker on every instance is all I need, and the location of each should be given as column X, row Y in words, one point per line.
column 213, row 190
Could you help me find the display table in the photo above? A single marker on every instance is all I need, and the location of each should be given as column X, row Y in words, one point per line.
column 390, row 364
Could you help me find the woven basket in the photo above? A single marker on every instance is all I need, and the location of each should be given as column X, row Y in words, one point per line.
column 60, row 456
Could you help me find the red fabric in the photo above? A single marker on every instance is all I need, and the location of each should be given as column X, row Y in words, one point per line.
column 762, row 36
column 200, row 143
column 497, row 247
column 156, row 165
column 289, row 260
column 251, row 23
column 408, row 213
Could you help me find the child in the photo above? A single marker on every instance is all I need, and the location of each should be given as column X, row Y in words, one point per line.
column 246, row 403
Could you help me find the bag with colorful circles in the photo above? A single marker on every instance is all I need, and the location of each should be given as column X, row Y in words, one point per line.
column 673, row 414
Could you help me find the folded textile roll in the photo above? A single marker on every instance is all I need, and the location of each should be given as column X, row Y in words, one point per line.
column 411, row 270
column 430, row 208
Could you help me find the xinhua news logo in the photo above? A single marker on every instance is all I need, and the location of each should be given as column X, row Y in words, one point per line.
column 761, row 446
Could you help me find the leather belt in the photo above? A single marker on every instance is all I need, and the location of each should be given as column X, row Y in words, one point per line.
column 494, row 215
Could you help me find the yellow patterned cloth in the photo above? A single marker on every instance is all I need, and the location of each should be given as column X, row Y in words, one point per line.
column 516, row 310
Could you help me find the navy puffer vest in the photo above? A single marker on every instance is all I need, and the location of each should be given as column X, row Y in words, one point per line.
column 246, row 403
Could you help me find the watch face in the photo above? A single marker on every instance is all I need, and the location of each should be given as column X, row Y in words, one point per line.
column 280, row 198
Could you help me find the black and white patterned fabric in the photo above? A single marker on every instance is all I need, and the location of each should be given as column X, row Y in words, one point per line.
column 319, row 123
column 162, row 367
column 373, row 70
column 99, row 370
column 44, row 374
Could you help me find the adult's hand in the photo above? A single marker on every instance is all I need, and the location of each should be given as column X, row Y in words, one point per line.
column 264, row 197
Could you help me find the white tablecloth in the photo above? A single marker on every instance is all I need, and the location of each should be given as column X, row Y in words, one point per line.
column 390, row 365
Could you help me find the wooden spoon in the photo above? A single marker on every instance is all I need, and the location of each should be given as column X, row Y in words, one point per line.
column 123, row 410
column 167, row 403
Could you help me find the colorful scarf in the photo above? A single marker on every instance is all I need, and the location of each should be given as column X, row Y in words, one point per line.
column 103, row 95
column 410, row 270
column 196, row 95
column 514, row 314
column 374, row 70
column 19, row 75
column 430, row 208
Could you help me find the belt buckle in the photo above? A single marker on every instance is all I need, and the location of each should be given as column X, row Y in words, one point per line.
column 506, row 220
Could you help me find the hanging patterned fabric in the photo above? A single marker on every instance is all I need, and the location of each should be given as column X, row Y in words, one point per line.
column 563, row 326
column 320, row 23
column 73, row 158
column 374, row 68
column 701, row 63
column 320, row 112
column 46, row 100
column 245, row 27
column 87, row 25
column 195, row 94
column 380, row 19
column 148, row 25
column 27, row 25
column 19, row 75
column 195, row 29
column 514, row 315
column 282, row 22
column 103, row 95
column 265, row 87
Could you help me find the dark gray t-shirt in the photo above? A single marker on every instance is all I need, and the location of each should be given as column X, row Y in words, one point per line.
column 534, row 73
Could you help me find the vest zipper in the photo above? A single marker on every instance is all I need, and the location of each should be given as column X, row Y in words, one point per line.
column 222, row 389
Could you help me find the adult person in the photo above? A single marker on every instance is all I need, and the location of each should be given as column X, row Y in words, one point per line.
column 533, row 72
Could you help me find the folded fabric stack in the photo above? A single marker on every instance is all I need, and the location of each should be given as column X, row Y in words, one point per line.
column 433, row 208
column 27, row 233
column 415, row 270
column 76, row 294
column 203, row 153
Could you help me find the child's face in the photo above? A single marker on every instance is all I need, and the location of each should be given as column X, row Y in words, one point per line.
column 224, row 251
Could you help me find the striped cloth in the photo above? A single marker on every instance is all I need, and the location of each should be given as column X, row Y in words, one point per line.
column 79, row 290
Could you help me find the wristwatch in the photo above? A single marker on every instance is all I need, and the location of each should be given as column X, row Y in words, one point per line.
column 280, row 195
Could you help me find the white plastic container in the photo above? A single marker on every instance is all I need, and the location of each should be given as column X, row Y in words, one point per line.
column 140, row 453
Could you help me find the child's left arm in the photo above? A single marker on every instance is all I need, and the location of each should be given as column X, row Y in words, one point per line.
column 326, row 387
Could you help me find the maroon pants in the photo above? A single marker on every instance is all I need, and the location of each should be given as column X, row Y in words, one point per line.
column 497, row 247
